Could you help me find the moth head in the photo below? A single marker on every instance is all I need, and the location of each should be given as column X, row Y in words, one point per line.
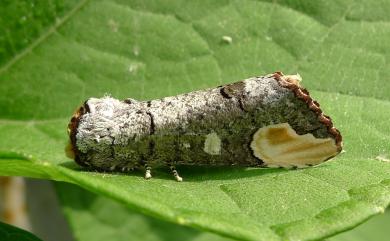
column 280, row 146
column 70, row 149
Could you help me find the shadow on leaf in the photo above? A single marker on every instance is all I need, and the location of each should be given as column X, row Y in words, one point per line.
column 189, row 173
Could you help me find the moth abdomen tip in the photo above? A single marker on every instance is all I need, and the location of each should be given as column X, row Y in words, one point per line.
column 69, row 152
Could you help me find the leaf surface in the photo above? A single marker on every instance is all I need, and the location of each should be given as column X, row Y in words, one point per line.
column 11, row 233
column 374, row 229
column 153, row 49
column 95, row 217
column 102, row 218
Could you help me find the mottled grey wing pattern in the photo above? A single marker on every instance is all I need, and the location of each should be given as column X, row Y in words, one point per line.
column 261, row 121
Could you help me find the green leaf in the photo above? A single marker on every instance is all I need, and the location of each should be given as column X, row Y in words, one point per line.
column 150, row 49
column 94, row 217
column 101, row 218
column 374, row 229
column 11, row 233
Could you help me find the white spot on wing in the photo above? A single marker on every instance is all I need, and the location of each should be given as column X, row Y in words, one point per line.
column 212, row 144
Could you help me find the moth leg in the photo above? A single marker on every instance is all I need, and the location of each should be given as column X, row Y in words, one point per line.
column 175, row 173
column 148, row 173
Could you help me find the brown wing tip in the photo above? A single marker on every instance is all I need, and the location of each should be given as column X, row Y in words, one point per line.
column 71, row 150
column 292, row 82
column 280, row 146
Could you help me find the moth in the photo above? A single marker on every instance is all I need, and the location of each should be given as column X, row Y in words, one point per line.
column 265, row 121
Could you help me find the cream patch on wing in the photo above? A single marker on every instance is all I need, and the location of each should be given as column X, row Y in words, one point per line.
column 294, row 79
column 280, row 145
